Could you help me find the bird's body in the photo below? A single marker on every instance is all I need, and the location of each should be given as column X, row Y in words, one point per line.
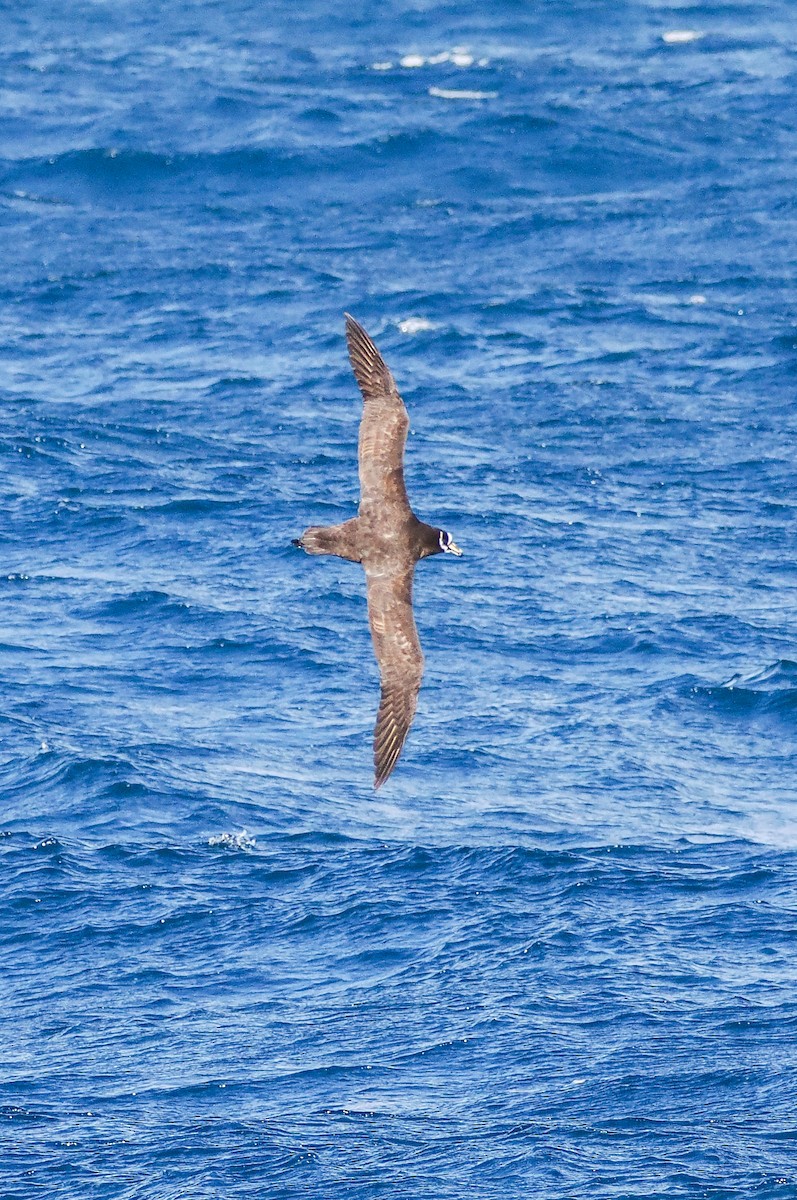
column 388, row 540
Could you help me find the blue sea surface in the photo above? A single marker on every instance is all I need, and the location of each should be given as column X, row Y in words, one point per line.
column 556, row 955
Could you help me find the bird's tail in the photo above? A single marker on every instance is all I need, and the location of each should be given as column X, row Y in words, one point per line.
column 340, row 540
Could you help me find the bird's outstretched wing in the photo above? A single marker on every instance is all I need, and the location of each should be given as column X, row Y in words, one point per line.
column 384, row 425
column 398, row 652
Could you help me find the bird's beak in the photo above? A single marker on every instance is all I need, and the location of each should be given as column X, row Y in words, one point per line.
column 453, row 548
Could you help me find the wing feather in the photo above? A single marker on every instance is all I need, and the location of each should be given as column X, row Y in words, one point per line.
column 384, row 424
column 398, row 652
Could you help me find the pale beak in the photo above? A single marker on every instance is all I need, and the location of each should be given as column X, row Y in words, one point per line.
column 453, row 548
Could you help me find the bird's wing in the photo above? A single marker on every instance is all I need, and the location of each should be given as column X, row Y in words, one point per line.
column 398, row 652
column 384, row 425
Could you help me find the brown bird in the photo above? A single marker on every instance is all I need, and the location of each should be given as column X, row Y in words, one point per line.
column 388, row 539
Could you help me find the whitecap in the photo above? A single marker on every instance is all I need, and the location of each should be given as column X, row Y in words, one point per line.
column 415, row 325
column 382, row 66
column 459, row 56
column 457, row 94
column 680, row 37
column 233, row 841
column 697, row 299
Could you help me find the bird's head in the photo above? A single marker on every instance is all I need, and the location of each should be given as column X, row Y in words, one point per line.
column 447, row 543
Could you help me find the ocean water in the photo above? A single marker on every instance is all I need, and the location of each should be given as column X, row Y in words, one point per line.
column 555, row 955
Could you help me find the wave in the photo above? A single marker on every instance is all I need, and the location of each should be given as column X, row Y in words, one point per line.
column 770, row 690
column 121, row 167
column 779, row 676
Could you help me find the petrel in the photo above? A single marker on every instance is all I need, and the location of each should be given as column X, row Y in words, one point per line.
column 388, row 539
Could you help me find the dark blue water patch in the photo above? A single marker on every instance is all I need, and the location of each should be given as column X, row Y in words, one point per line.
column 436, row 1053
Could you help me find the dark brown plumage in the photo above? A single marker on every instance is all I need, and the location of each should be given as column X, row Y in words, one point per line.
column 388, row 539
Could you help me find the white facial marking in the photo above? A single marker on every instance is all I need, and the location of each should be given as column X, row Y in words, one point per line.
column 447, row 543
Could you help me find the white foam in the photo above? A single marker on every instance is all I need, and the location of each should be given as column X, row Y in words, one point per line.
column 382, row 66
column 459, row 56
column 415, row 325
column 697, row 299
column 680, row 37
column 233, row 841
column 457, row 94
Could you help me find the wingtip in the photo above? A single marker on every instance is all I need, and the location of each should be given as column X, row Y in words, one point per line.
column 384, row 770
column 353, row 327
column 370, row 369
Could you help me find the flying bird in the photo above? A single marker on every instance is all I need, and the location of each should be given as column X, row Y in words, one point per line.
column 388, row 540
